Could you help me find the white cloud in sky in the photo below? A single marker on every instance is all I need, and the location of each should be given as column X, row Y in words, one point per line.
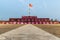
column 23, row 1
column 44, row 4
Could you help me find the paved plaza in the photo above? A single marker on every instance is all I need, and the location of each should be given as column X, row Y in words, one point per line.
column 28, row 32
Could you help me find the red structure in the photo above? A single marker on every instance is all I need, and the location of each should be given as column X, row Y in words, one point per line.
column 29, row 20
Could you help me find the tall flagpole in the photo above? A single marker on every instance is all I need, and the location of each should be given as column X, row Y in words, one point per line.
column 29, row 11
column 30, row 6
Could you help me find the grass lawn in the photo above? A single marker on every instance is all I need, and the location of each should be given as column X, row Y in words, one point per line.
column 51, row 28
column 7, row 27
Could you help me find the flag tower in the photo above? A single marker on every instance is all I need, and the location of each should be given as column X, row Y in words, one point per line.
column 30, row 6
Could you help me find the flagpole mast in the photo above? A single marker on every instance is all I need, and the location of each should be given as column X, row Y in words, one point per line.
column 30, row 6
column 29, row 11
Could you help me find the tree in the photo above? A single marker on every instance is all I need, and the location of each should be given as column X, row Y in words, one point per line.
column 51, row 19
column 55, row 20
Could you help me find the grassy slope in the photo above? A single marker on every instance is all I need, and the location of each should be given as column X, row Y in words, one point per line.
column 53, row 28
column 7, row 27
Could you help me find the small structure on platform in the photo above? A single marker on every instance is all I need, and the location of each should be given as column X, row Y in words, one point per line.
column 29, row 20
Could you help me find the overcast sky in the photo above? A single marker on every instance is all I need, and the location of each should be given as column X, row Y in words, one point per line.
column 18, row 8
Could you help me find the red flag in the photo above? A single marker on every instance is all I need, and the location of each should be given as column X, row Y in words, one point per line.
column 30, row 5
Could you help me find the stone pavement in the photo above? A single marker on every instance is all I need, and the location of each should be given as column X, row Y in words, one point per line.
column 28, row 32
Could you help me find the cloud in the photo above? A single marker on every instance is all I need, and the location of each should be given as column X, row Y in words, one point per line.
column 23, row 1
column 44, row 4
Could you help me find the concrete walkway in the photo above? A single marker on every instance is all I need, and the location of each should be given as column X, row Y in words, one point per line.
column 28, row 32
